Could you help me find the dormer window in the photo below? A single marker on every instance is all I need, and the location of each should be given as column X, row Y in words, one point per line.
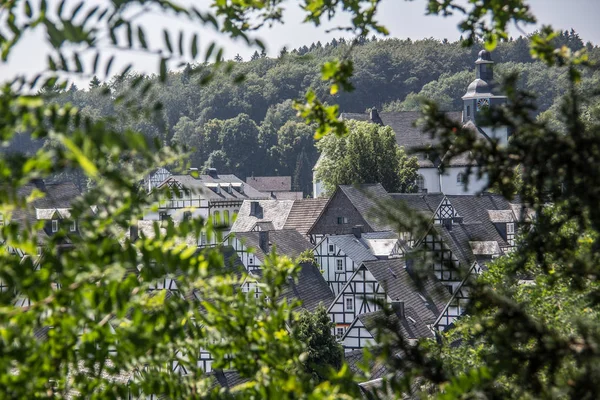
column 460, row 178
column 73, row 226
column 54, row 225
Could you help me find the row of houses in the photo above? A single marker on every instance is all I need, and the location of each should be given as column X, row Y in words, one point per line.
column 367, row 262
column 354, row 260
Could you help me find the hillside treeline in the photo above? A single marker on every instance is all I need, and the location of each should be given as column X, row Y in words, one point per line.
column 242, row 122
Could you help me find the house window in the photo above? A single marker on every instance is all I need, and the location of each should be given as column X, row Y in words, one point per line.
column 187, row 215
column 331, row 248
column 180, row 193
column 54, row 225
column 339, row 331
column 217, row 217
column 349, row 304
column 468, row 111
column 342, row 220
column 339, row 265
column 203, row 238
column 510, row 228
column 226, row 217
column 1, row 220
column 449, row 287
column 250, row 260
column 420, row 183
column 73, row 226
column 460, row 178
column 163, row 216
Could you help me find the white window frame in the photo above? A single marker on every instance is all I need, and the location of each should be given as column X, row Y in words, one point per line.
column 339, row 265
column 73, row 226
column 54, row 225
column 510, row 228
column 349, row 304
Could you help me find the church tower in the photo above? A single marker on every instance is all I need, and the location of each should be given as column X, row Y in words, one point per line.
column 480, row 94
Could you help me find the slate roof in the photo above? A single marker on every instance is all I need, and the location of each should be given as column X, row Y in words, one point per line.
column 226, row 379
column 411, row 326
column 270, row 183
column 426, row 296
column 310, row 288
column 304, row 213
column 202, row 183
column 363, row 198
column 288, row 242
column 274, row 211
column 287, row 195
column 355, row 359
column 422, row 203
column 363, row 249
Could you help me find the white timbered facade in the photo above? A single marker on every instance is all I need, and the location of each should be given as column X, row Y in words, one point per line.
column 357, row 297
column 336, row 266
column 249, row 259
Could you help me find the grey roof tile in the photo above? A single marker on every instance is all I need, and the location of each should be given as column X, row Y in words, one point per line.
column 274, row 211
column 270, row 183
column 364, row 198
column 288, row 242
column 355, row 360
column 202, row 183
column 426, row 295
column 411, row 326
column 304, row 213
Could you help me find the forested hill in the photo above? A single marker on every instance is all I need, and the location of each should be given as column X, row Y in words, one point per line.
column 249, row 128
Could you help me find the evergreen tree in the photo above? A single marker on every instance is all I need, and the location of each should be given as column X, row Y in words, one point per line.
column 255, row 56
column 238, row 58
column 94, row 83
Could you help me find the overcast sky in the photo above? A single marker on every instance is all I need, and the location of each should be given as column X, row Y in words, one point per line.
column 404, row 19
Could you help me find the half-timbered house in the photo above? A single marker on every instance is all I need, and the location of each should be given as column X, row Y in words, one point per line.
column 253, row 247
column 217, row 196
column 339, row 256
column 362, row 332
column 387, row 281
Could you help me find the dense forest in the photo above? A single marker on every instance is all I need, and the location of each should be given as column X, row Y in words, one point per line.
column 241, row 121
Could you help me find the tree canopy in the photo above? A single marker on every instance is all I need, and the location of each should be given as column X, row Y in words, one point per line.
column 368, row 154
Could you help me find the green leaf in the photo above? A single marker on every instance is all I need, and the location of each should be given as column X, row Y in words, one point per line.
column 195, row 46
column 85, row 163
column 167, row 40
column 142, row 37
column 163, row 69
column 28, row 11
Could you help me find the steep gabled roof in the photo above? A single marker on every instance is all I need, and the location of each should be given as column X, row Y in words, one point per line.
column 270, row 183
column 310, row 288
column 287, row 242
column 426, row 295
column 363, row 198
column 355, row 360
column 411, row 326
column 304, row 213
column 425, row 204
column 273, row 211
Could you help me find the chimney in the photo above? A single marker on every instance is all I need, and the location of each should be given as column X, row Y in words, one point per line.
column 398, row 308
column 212, row 172
column 357, row 231
column 133, row 232
column 457, row 220
column 447, row 223
column 374, row 117
column 263, row 240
